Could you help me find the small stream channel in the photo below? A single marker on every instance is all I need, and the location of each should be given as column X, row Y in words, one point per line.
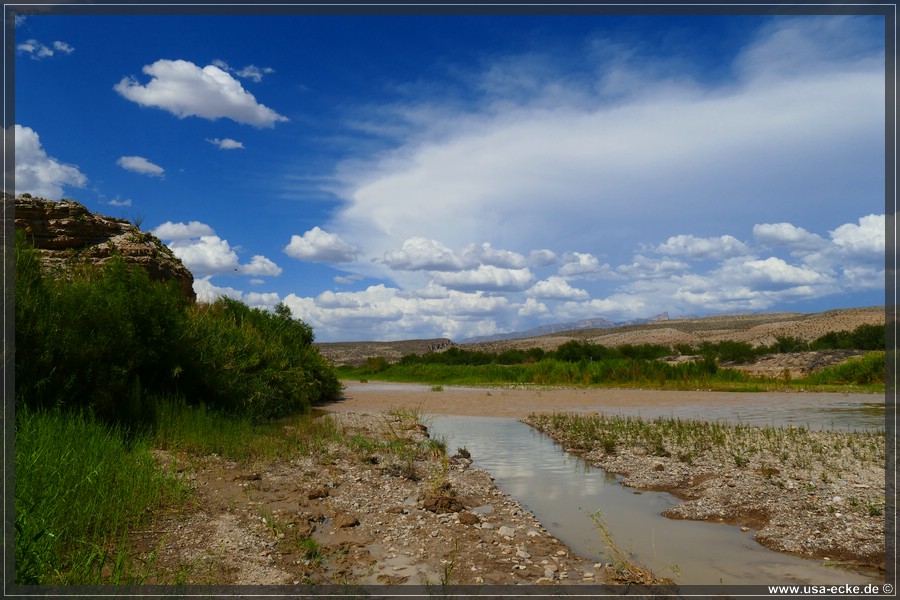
column 562, row 490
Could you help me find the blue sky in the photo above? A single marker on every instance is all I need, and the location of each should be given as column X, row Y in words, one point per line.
column 400, row 176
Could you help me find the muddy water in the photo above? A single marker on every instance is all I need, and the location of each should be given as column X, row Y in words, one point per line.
column 562, row 491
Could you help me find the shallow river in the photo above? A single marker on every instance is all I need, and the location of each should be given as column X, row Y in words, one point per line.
column 563, row 490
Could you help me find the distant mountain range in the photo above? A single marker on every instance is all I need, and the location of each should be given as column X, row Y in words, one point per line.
column 598, row 323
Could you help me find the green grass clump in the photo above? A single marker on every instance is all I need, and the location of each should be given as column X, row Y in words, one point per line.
column 200, row 430
column 80, row 486
column 866, row 370
column 688, row 439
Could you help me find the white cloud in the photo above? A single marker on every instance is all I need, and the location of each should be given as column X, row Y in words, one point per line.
column 39, row 174
column 206, row 254
column 476, row 254
column 865, row 238
column 260, row 265
column 485, row 277
column 182, row 231
column 251, row 72
column 542, row 258
column 387, row 313
column 786, row 234
column 317, row 245
column 644, row 267
column 533, row 308
column 769, row 273
column 649, row 170
column 37, row 50
column 558, row 158
column 186, row 90
column 117, row 202
column 703, row 248
column 347, row 279
column 422, row 254
column 557, row 288
column 581, row 264
column 207, row 292
column 226, row 144
column 139, row 164
column 63, row 47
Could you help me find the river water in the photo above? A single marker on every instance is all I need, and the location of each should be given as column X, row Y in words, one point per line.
column 563, row 491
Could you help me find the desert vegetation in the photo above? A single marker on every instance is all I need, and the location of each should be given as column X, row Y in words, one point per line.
column 641, row 365
column 110, row 365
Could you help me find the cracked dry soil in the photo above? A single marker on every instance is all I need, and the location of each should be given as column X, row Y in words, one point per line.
column 350, row 518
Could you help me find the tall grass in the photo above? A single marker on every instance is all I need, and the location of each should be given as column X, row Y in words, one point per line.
column 201, row 430
column 79, row 487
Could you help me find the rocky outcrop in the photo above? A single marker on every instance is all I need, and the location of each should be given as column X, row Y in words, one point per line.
column 66, row 233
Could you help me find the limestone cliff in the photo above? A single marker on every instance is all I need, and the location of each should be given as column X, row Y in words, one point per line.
column 66, row 233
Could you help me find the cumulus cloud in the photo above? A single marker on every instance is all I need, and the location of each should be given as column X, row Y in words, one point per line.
column 187, row 90
column 260, row 265
column 226, row 144
column 703, row 248
column 485, row 277
column 39, row 174
column 786, row 234
column 771, row 271
column 867, row 237
column 37, row 51
column 388, row 313
column 207, row 292
column 645, row 267
column 476, row 254
column 317, row 245
column 542, row 258
column 206, row 254
column 557, row 288
column 581, row 264
column 422, row 254
column 139, row 164
column 182, row 231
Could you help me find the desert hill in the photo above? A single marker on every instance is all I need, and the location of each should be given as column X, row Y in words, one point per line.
column 755, row 329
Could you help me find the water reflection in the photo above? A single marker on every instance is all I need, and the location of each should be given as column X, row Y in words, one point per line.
column 563, row 490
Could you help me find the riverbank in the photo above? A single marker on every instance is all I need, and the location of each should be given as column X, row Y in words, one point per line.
column 816, row 494
column 380, row 503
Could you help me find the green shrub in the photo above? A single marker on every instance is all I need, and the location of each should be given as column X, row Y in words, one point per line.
column 95, row 339
column 109, row 339
column 867, row 369
column 864, row 337
column 250, row 361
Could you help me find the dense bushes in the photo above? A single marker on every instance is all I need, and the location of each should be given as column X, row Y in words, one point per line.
column 110, row 339
column 249, row 361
